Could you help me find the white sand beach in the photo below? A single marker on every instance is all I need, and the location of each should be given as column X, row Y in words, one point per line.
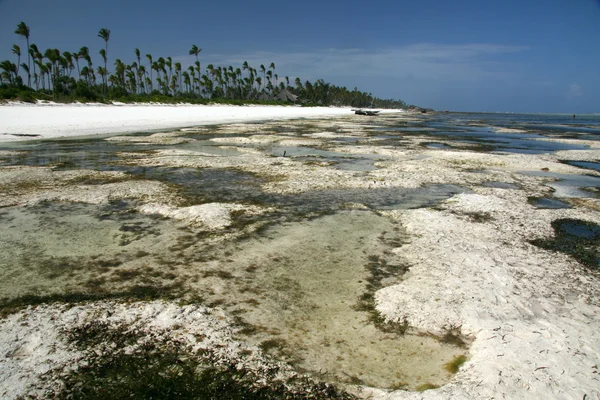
column 51, row 120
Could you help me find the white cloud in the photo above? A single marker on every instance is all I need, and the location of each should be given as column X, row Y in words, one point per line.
column 463, row 62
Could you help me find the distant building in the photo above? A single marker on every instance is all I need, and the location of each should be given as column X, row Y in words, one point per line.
column 286, row 95
column 264, row 97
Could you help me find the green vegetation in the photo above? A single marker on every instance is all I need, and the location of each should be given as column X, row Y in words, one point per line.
column 121, row 362
column 66, row 76
column 426, row 386
column 454, row 365
column 379, row 272
column 138, row 292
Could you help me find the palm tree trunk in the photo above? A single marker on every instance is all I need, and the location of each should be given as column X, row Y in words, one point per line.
column 28, row 64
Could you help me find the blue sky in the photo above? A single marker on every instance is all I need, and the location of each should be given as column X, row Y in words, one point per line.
column 516, row 56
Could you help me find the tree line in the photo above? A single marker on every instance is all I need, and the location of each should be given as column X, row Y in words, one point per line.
column 71, row 76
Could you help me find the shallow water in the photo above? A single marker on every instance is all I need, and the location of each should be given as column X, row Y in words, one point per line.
column 578, row 238
column 585, row 164
column 297, row 284
column 567, row 185
column 579, row 229
column 56, row 247
column 302, row 290
column 548, row 202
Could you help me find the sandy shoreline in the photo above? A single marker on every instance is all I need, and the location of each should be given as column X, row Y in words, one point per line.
column 530, row 314
column 54, row 120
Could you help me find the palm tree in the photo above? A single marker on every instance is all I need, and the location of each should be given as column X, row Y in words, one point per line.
column 298, row 83
column 104, row 34
column 120, row 73
column 69, row 62
column 53, row 56
column 178, row 72
column 85, row 72
column 84, row 53
column 272, row 68
column 169, row 63
column 40, row 64
column 149, row 57
column 23, row 30
column 17, row 51
column 102, row 52
column 263, row 70
column 32, row 51
column 155, row 67
column 196, row 51
column 103, row 73
column 141, row 72
column 186, row 80
column 9, row 71
column 138, row 55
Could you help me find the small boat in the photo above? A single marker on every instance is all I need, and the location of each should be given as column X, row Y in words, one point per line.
column 365, row 112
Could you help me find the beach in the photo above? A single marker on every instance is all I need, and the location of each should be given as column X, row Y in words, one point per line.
column 51, row 120
column 369, row 252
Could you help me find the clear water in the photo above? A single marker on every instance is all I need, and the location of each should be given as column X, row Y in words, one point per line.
column 566, row 185
column 478, row 128
column 585, row 164
column 579, row 229
column 548, row 202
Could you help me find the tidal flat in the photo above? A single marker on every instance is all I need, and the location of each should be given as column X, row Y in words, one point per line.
column 395, row 257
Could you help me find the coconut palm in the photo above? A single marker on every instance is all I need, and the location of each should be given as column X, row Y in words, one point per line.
column 16, row 50
column 23, row 30
column 186, row 80
column 102, row 52
column 104, row 34
column 272, row 68
column 120, row 73
column 9, row 71
column 138, row 55
column 84, row 54
column 102, row 71
column 178, row 73
column 85, row 72
column 68, row 57
column 42, row 74
column 53, row 56
column 32, row 50
column 196, row 51
column 141, row 73
column 149, row 57
column 263, row 70
column 169, row 63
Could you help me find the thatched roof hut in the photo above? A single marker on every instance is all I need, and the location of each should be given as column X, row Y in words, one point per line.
column 264, row 97
column 286, row 95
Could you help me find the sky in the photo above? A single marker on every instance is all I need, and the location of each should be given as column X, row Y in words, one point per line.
column 461, row 55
